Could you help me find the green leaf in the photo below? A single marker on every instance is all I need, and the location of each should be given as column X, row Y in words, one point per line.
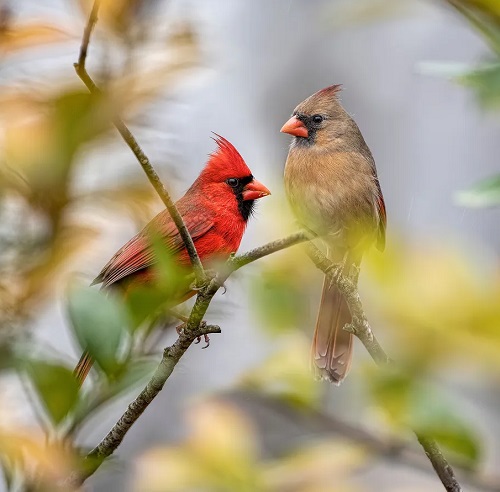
column 286, row 374
column 433, row 416
column 170, row 275
column 99, row 322
column 486, row 193
column 410, row 404
column 169, row 281
column 485, row 80
column 56, row 387
column 458, row 439
column 279, row 300
column 136, row 372
column 447, row 70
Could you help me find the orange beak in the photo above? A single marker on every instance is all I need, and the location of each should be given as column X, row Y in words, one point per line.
column 295, row 127
column 254, row 190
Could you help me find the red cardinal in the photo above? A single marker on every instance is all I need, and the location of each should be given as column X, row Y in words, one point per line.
column 215, row 210
column 332, row 186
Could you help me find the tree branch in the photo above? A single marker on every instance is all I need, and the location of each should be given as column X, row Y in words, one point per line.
column 359, row 326
column 144, row 161
column 361, row 329
column 439, row 463
column 267, row 249
column 194, row 328
column 115, row 436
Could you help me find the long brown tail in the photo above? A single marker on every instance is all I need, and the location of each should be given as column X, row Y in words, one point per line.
column 332, row 345
column 83, row 367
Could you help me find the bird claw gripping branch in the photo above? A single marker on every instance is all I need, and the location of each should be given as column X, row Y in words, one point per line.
column 210, row 275
column 180, row 330
column 334, row 272
column 207, row 341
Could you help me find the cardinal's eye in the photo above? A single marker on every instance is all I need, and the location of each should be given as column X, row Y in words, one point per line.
column 317, row 119
column 233, row 182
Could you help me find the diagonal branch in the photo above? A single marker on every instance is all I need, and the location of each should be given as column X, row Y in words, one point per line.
column 239, row 261
column 115, row 436
column 361, row 329
column 144, row 161
column 194, row 328
column 360, row 326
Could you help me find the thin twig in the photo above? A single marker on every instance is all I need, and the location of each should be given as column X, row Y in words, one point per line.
column 439, row 463
column 144, row 161
column 361, row 329
column 87, row 33
column 267, row 249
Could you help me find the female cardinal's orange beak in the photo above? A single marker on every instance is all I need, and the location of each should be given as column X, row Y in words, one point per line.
column 254, row 190
column 295, row 127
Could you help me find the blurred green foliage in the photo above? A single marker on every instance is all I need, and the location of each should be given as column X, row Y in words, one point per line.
column 58, row 399
column 48, row 132
column 436, row 306
column 100, row 323
column 406, row 402
column 279, row 294
column 484, row 79
column 286, row 375
column 224, row 451
column 486, row 193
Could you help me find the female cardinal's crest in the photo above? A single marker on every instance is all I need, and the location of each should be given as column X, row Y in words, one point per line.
column 331, row 90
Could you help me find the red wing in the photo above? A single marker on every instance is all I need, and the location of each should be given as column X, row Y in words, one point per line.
column 138, row 253
column 382, row 219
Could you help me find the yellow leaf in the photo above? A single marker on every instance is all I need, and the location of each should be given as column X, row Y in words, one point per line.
column 27, row 447
column 219, row 455
column 221, row 435
column 167, row 470
column 19, row 37
column 160, row 68
column 286, row 374
column 315, row 468
column 437, row 304
column 116, row 15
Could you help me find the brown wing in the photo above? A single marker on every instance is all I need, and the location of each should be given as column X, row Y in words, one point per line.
column 382, row 218
column 138, row 253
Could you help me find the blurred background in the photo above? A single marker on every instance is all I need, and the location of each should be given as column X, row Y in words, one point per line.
column 421, row 79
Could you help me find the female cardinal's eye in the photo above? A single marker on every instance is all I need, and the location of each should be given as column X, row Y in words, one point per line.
column 317, row 118
column 233, row 182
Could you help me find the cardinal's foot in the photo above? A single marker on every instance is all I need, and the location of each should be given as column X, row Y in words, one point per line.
column 210, row 274
column 334, row 272
column 207, row 341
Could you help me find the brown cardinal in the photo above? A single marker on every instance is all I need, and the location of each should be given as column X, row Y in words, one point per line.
column 215, row 210
column 332, row 186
